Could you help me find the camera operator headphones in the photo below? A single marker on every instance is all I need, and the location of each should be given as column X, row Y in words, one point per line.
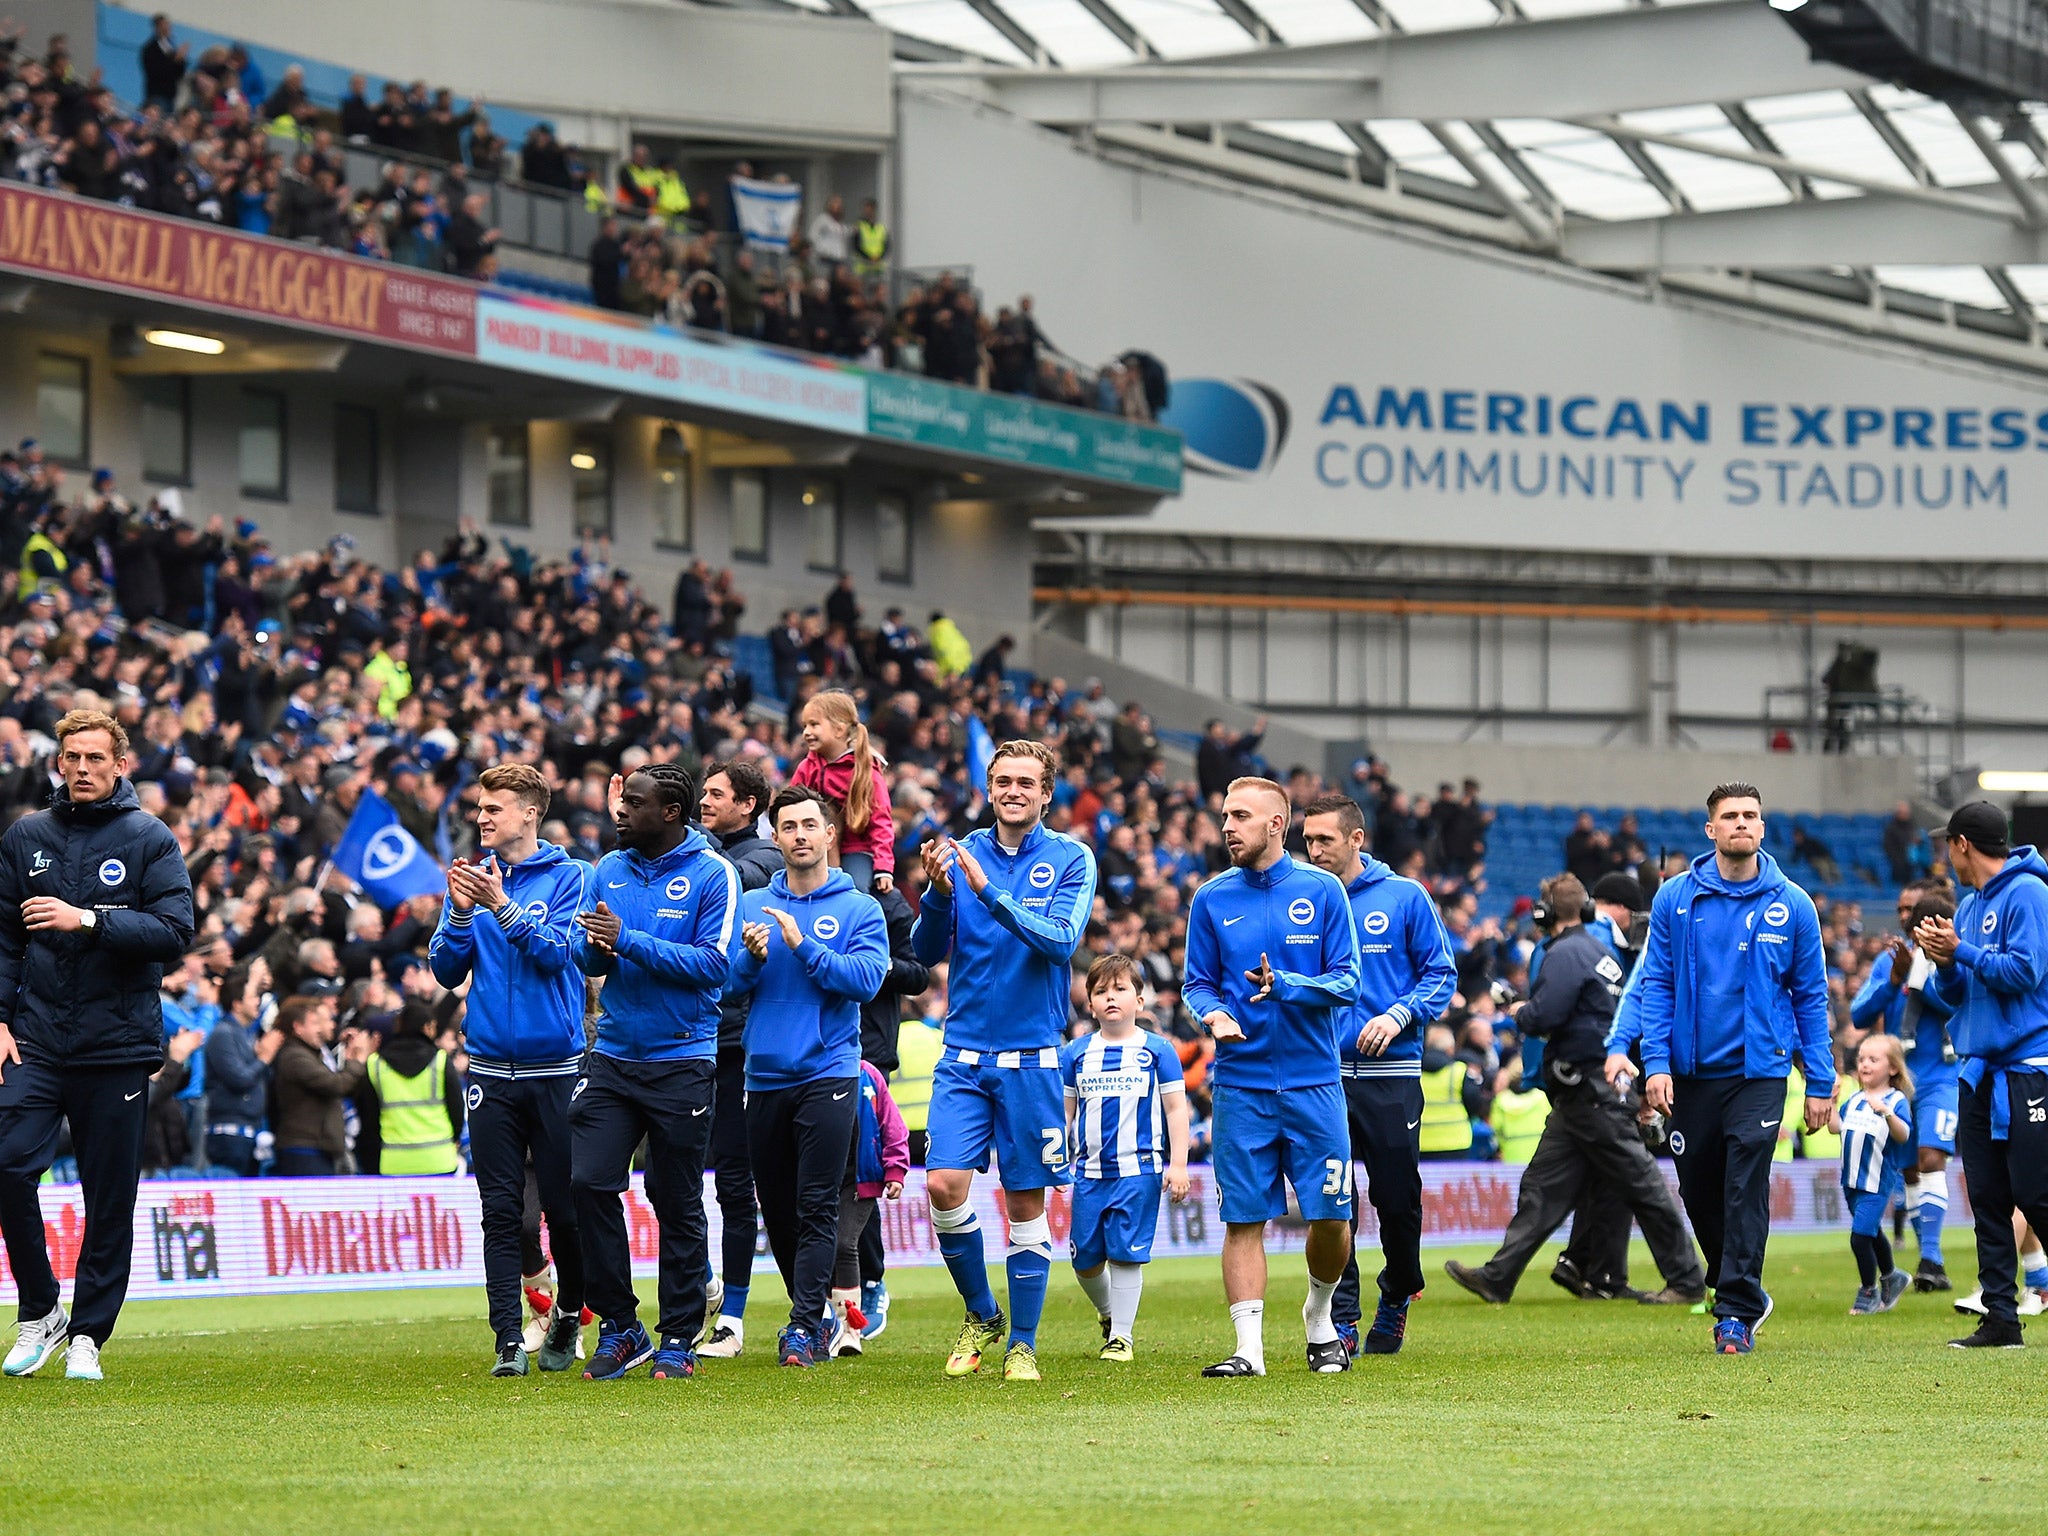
column 1544, row 915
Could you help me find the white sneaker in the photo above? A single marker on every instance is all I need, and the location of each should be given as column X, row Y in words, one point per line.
column 36, row 1343
column 1973, row 1304
column 846, row 1342
column 727, row 1337
column 82, row 1360
column 2033, row 1303
column 532, row 1287
column 714, row 1295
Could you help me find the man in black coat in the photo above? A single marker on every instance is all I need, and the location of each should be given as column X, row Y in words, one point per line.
column 94, row 902
column 735, row 794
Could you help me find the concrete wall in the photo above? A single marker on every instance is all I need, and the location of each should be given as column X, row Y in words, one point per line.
column 592, row 65
column 1638, row 776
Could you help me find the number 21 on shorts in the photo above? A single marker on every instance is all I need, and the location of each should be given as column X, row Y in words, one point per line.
column 1339, row 1180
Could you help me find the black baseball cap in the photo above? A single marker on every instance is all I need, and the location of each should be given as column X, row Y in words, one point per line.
column 1621, row 890
column 1983, row 824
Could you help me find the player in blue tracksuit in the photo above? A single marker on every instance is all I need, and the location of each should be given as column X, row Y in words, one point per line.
column 1992, row 969
column 1008, row 935
column 665, row 905
column 811, row 949
column 1732, row 985
column 1272, row 971
column 1406, row 979
column 506, row 927
column 1897, row 999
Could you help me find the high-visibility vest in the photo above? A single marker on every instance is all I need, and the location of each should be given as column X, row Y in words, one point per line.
column 1445, row 1125
column 40, row 543
column 917, row 1058
column 646, row 180
column 595, row 197
column 412, row 1117
column 671, row 197
column 871, row 242
column 1518, row 1119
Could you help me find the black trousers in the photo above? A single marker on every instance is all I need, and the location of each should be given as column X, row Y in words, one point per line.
column 1384, row 1113
column 510, row 1121
column 1599, row 1242
column 615, row 1105
column 733, row 1169
column 1723, row 1132
column 873, row 1262
column 2003, row 1177
column 799, row 1139
column 234, row 1152
column 1592, row 1133
column 107, row 1108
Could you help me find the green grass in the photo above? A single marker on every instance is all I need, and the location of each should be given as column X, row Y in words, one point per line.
column 374, row 1413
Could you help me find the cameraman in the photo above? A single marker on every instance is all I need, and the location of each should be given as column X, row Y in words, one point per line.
column 1592, row 1130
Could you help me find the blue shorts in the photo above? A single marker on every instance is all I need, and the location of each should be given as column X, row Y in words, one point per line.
column 1114, row 1219
column 1265, row 1140
column 1866, row 1210
column 1018, row 1112
column 1934, row 1117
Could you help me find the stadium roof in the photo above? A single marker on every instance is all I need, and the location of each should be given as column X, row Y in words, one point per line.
column 1690, row 137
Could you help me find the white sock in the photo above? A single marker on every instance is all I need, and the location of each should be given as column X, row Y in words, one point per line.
column 1913, row 1200
column 1249, row 1318
column 1097, row 1287
column 1126, row 1285
column 1315, row 1312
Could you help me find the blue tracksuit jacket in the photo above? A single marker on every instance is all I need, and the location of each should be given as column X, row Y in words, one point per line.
column 1404, row 969
column 804, row 1021
column 525, row 1013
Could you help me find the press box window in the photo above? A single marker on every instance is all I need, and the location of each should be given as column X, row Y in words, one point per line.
column 675, row 509
column 166, row 419
column 506, row 467
column 749, row 515
column 355, row 459
column 821, row 525
column 61, row 409
column 262, row 444
column 590, row 483
column 892, row 536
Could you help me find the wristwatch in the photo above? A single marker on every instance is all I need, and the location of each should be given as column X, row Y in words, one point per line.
column 89, row 920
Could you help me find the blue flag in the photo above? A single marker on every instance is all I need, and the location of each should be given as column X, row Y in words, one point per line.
column 981, row 751
column 383, row 858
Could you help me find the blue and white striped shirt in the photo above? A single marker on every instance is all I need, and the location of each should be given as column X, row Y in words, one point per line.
column 1871, row 1161
column 1119, row 1120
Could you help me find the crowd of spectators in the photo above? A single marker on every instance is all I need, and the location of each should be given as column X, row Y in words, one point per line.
column 212, row 140
column 267, row 691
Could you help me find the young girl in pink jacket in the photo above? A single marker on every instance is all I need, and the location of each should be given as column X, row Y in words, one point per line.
column 840, row 764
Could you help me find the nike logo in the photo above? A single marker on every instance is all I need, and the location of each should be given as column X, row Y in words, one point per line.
column 1769, row 1123
column 1683, row 910
column 616, row 885
column 2033, row 1103
column 704, row 1111
column 1413, row 1123
column 838, row 1096
column 130, row 1098
column 1237, row 919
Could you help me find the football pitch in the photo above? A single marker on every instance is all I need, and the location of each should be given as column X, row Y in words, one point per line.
column 375, row 1413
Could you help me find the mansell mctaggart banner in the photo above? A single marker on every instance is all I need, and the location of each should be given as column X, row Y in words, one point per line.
column 186, row 262
column 258, row 1236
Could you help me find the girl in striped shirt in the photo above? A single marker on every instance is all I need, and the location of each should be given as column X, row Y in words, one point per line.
column 1876, row 1127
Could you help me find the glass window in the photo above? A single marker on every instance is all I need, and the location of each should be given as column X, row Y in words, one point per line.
column 749, row 515
column 355, row 459
column 262, row 443
column 590, row 483
column 166, row 428
column 675, row 511
column 892, row 536
column 821, row 525
column 61, row 408
column 505, row 461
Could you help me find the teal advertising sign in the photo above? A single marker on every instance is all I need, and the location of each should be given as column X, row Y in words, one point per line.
column 1014, row 430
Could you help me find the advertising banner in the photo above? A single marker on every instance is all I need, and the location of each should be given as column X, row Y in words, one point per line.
column 261, row 1236
column 182, row 261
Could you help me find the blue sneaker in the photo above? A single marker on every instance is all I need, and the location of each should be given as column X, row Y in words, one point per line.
column 1732, row 1336
column 1389, row 1328
column 674, row 1361
column 618, row 1351
column 796, row 1346
column 1347, row 1335
column 874, row 1306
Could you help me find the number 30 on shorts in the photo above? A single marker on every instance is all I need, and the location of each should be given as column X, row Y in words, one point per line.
column 1339, row 1180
